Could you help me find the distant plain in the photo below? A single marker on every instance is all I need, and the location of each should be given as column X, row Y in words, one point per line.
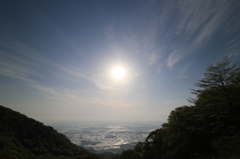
column 100, row 137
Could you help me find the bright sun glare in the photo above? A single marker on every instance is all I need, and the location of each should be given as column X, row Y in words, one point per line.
column 118, row 72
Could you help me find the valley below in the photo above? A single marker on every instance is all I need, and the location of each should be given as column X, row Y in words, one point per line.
column 106, row 137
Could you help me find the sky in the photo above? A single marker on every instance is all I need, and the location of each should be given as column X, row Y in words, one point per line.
column 57, row 57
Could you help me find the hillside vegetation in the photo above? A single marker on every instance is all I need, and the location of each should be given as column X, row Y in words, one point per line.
column 25, row 138
column 208, row 129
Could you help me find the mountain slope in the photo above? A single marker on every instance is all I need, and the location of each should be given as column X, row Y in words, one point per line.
column 22, row 138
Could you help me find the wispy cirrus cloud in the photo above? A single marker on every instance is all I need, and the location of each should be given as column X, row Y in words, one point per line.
column 183, row 72
column 201, row 19
column 188, row 26
column 173, row 58
column 17, row 68
column 233, row 47
column 23, row 63
column 153, row 59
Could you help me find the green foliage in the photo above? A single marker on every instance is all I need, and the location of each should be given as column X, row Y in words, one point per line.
column 23, row 138
column 220, row 83
column 130, row 154
column 208, row 129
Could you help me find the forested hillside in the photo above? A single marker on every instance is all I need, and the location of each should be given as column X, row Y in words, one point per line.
column 207, row 129
column 25, row 138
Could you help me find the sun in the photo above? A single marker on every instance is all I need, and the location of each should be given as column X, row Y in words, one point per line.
column 118, row 72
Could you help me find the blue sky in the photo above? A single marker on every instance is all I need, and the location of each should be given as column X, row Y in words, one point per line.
column 57, row 56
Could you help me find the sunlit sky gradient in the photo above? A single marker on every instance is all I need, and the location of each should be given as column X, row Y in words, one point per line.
column 56, row 56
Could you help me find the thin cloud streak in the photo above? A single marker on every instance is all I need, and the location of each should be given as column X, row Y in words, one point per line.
column 174, row 58
column 183, row 73
column 196, row 21
column 18, row 67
